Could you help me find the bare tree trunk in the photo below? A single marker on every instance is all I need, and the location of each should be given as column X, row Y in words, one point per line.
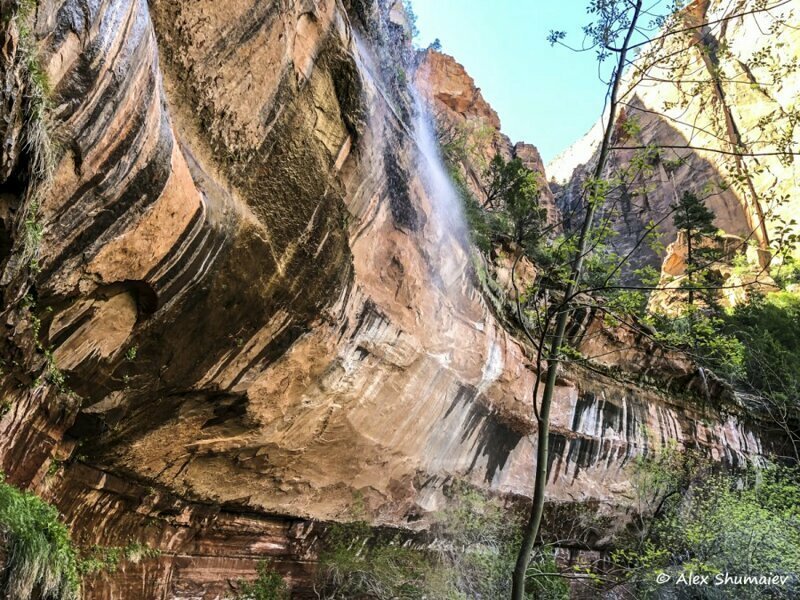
column 531, row 532
column 690, row 266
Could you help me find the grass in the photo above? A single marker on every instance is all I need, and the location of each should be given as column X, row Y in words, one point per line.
column 40, row 559
column 39, row 142
column 107, row 559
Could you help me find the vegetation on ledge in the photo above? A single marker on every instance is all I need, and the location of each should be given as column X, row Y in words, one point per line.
column 471, row 548
column 40, row 560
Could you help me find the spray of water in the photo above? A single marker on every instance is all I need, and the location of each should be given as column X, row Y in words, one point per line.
column 446, row 233
column 450, row 234
column 444, row 196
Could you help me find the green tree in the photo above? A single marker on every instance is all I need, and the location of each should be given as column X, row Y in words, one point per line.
column 574, row 283
column 512, row 195
column 696, row 222
column 611, row 26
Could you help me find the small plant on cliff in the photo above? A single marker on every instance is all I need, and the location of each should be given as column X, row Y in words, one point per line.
column 269, row 585
column 412, row 18
column 130, row 353
column 107, row 559
column 37, row 138
column 768, row 332
column 40, row 559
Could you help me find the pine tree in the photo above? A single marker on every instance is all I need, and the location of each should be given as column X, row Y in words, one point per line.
column 696, row 222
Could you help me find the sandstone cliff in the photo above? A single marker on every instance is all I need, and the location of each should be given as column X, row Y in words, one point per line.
column 462, row 114
column 725, row 84
column 245, row 304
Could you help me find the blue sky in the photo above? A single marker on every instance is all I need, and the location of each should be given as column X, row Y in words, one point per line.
column 547, row 96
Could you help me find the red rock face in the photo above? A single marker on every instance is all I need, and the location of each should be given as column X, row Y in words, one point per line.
column 204, row 550
column 449, row 84
column 460, row 109
column 260, row 309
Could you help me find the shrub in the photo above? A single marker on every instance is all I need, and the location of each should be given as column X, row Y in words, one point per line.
column 40, row 559
column 740, row 524
column 769, row 329
column 106, row 559
column 787, row 273
column 359, row 563
column 472, row 557
column 269, row 585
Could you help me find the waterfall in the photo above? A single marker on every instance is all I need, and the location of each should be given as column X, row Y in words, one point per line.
column 448, row 238
column 444, row 196
column 445, row 239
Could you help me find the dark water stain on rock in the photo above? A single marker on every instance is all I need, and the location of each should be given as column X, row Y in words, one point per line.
column 403, row 211
column 494, row 439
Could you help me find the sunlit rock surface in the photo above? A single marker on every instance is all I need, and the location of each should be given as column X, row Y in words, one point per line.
column 261, row 297
column 730, row 86
column 463, row 117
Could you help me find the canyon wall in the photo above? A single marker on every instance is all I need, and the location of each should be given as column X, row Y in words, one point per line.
column 463, row 117
column 250, row 305
column 717, row 98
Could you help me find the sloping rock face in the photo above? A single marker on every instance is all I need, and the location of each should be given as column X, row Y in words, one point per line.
column 248, row 306
column 729, row 86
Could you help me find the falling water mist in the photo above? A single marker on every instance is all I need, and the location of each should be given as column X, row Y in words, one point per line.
column 449, row 234
column 446, row 235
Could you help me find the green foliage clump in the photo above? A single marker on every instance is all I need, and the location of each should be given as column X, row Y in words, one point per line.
column 412, row 18
column 483, row 538
column 768, row 329
column 755, row 346
column 511, row 212
column 480, row 547
column 481, row 224
column 106, row 559
column 692, row 217
column 269, row 585
column 787, row 273
column 40, row 559
column 39, row 140
column 703, row 333
column 358, row 562
column 739, row 524
column 513, row 194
